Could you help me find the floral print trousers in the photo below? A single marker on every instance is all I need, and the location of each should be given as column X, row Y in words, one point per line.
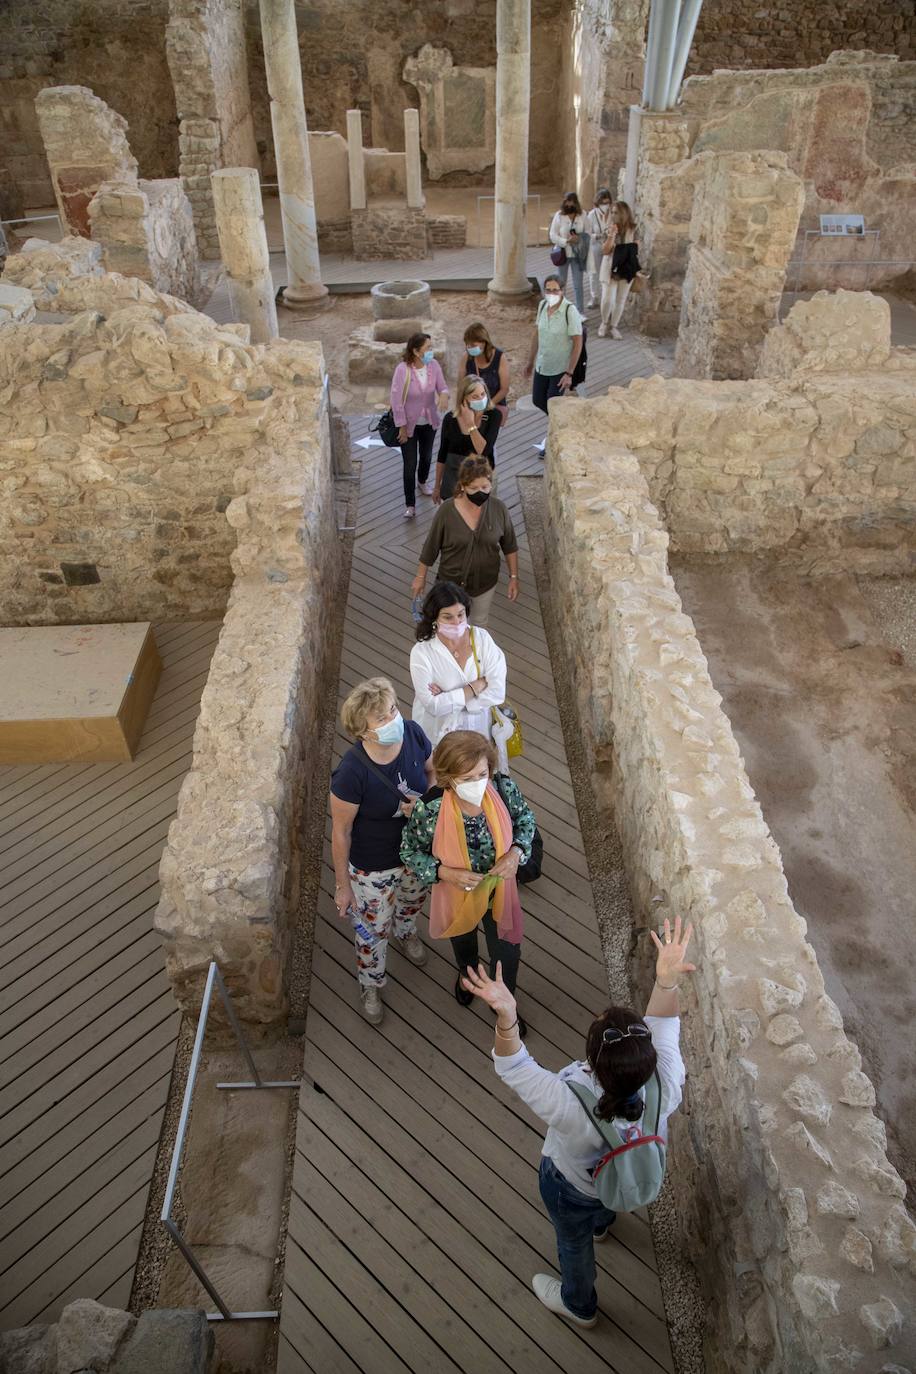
column 387, row 901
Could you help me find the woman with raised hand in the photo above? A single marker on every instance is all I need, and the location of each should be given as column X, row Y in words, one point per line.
column 419, row 392
column 373, row 791
column 458, row 672
column 468, row 431
column 624, row 1054
column 466, row 838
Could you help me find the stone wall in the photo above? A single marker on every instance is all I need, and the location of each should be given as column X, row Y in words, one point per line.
column 85, row 144
column 848, row 129
column 742, row 229
column 389, row 232
column 104, row 1340
column 447, row 231
column 744, row 33
column 146, row 230
column 789, row 1207
column 208, row 61
column 815, row 459
column 230, row 870
column 116, row 48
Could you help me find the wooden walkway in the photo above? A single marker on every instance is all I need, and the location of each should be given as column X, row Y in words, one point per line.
column 415, row 1223
column 87, row 1019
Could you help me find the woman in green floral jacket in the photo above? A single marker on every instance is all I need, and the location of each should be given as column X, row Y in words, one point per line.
column 465, row 839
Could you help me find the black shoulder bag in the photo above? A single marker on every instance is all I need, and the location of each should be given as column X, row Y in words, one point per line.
column 530, row 871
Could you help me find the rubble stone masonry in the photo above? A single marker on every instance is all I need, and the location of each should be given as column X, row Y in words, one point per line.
column 790, row 1208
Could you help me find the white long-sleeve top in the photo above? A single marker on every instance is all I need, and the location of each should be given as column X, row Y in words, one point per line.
column 596, row 222
column 561, row 226
column 431, row 662
column 572, row 1142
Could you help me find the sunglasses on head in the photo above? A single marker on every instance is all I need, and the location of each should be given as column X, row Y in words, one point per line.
column 612, row 1035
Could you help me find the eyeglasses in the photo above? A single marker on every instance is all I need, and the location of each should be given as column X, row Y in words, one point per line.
column 612, row 1035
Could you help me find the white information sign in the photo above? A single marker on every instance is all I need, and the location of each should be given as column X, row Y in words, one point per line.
column 842, row 224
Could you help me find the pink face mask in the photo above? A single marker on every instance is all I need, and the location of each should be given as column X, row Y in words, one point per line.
column 452, row 631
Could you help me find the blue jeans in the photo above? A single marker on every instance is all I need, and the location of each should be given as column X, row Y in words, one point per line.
column 563, row 273
column 575, row 1219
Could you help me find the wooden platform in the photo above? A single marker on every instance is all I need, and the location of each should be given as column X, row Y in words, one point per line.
column 75, row 692
column 415, row 1223
column 87, row 1019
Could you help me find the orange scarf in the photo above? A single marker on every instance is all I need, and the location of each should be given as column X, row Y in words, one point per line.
column 452, row 910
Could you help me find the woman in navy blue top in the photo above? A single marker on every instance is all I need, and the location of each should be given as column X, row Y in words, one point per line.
column 373, row 790
column 490, row 364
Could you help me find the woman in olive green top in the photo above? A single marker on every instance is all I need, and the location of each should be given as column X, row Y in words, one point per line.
column 468, row 532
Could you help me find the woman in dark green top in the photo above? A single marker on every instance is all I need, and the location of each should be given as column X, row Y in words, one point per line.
column 468, row 535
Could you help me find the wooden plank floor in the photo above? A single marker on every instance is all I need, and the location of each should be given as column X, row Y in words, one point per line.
column 415, row 1224
column 87, row 1019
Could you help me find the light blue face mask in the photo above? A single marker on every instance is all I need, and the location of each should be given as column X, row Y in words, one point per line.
column 428, row 356
column 392, row 732
column 474, row 350
column 478, row 403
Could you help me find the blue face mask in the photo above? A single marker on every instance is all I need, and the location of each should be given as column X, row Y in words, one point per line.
column 392, row 732
column 474, row 350
column 478, row 403
column 428, row 356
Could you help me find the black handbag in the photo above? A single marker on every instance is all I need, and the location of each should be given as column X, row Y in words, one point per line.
column 385, row 426
column 531, row 870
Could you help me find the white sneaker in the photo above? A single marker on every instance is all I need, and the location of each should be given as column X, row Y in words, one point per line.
column 409, row 513
column 427, row 488
column 602, row 331
column 616, row 334
column 593, row 305
column 549, row 1292
column 371, row 1005
column 413, row 948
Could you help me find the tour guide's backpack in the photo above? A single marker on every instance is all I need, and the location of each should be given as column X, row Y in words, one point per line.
column 630, row 1175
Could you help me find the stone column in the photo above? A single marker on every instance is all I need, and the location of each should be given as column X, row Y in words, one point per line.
column 415, row 199
column 243, row 246
column 291, row 145
column 356, row 162
column 513, row 87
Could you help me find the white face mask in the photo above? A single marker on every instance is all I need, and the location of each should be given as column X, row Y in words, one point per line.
column 472, row 791
column 553, row 298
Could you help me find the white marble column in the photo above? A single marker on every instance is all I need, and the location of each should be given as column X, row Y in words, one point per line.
column 356, row 162
column 415, row 198
column 291, row 145
column 513, row 91
column 243, row 248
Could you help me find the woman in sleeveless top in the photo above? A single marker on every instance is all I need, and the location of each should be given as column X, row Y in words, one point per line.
column 490, row 364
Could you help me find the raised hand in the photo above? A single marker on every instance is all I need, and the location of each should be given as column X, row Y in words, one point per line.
column 670, row 962
column 493, row 991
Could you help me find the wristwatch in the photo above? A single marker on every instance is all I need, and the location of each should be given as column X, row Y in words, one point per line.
column 473, row 430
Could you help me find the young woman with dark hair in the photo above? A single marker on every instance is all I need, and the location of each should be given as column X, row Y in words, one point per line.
column 458, row 672
column 623, row 1050
column 419, row 393
column 569, row 233
column 489, row 363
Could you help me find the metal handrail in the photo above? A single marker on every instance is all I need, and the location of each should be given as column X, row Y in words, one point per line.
column 214, row 977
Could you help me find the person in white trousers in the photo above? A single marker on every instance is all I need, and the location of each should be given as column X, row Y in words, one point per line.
column 619, row 265
column 597, row 222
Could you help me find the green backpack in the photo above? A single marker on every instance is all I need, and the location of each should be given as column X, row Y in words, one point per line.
column 630, row 1175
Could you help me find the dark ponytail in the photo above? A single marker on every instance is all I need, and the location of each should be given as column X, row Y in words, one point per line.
column 621, row 1068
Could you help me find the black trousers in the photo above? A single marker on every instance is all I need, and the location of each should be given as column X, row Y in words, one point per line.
column 466, row 955
column 418, row 447
column 543, row 389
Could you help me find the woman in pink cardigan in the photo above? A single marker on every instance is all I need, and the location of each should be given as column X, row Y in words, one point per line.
column 419, row 393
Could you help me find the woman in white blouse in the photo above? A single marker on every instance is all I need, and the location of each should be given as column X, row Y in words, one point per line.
column 568, row 231
column 623, row 1051
column 458, row 673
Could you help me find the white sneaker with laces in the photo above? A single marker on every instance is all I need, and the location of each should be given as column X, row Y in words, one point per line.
column 427, row 488
column 549, row 1292
column 615, row 333
column 412, row 948
column 409, row 513
column 371, row 1005
column 602, row 331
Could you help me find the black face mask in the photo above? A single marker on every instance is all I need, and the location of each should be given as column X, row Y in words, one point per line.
column 479, row 498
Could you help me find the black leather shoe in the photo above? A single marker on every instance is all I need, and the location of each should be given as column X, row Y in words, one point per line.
column 465, row 998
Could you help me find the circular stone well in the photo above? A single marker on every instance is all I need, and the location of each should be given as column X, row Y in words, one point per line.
column 400, row 300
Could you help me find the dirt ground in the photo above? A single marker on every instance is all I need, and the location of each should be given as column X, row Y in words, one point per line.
column 822, row 698
column 510, row 329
